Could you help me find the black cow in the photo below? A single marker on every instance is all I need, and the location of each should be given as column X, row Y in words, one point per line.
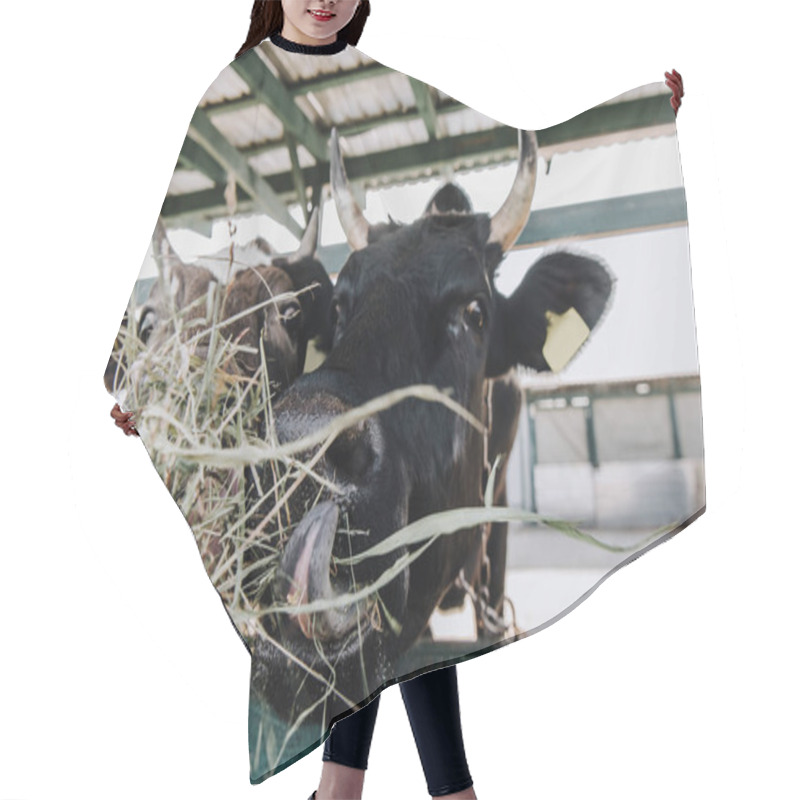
column 414, row 304
column 503, row 401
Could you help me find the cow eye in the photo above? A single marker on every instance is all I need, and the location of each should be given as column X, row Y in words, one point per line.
column 147, row 324
column 474, row 316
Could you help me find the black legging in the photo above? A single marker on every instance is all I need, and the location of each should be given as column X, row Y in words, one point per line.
column 432, row 706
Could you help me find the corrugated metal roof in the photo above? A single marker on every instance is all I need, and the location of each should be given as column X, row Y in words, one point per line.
column 227, row 86
column 382, row 115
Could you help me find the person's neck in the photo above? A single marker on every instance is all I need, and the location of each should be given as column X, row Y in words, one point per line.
column 331, row 47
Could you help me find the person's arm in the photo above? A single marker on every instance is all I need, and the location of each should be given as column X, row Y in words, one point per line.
column 675, row 82
column 124, row 420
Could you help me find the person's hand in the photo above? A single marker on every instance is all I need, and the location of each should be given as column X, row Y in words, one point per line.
column 675, row 82
column 124, row 420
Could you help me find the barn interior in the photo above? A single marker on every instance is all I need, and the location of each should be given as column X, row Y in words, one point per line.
column 613, row 442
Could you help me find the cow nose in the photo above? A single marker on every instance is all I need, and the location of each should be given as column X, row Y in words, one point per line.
column 353, row 456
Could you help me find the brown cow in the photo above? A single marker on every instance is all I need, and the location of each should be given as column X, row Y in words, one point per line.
column 184, row 293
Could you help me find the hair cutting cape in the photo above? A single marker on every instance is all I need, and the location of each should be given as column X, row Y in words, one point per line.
column 418, row 381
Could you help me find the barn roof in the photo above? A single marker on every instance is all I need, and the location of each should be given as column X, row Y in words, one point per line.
column 419, row 130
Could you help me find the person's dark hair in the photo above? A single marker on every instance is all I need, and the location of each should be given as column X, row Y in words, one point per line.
column 266, row 18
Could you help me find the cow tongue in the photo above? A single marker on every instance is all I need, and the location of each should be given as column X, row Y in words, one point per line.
column 307, row 559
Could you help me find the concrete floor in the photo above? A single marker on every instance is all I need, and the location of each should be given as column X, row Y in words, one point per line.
column 547, row 572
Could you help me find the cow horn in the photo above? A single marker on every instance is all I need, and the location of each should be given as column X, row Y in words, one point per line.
column 508, row 222
column 165, row 255
column 308, row 244
column 351, row 216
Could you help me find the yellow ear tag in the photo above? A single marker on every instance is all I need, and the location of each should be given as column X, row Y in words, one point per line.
column 314, row 357
column 565, row 334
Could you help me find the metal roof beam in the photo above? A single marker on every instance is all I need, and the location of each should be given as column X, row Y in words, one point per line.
column 589, row 129
column 231, row 159
column 495, row 145
column 195, row 157
column 359, row 126
column 341, row 78
column 298, row 88
column 205, row 204
column 232, row 105
column 425, row 108
column 612, row 217
column 500, row 143
column 649, row 116
column 270, row 91
column 297, row 177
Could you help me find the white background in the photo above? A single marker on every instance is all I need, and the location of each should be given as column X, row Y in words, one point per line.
column 121, row 675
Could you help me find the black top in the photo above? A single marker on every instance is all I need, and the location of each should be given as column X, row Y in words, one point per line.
column 310, row 49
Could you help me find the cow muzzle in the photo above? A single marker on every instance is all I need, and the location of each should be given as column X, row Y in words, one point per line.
column 349, row 463
column 353, row 457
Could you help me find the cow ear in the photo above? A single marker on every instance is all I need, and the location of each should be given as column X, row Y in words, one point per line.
column 311, row 279
column 549, row 317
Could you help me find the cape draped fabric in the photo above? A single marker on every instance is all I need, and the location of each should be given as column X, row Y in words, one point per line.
column 438, row 427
